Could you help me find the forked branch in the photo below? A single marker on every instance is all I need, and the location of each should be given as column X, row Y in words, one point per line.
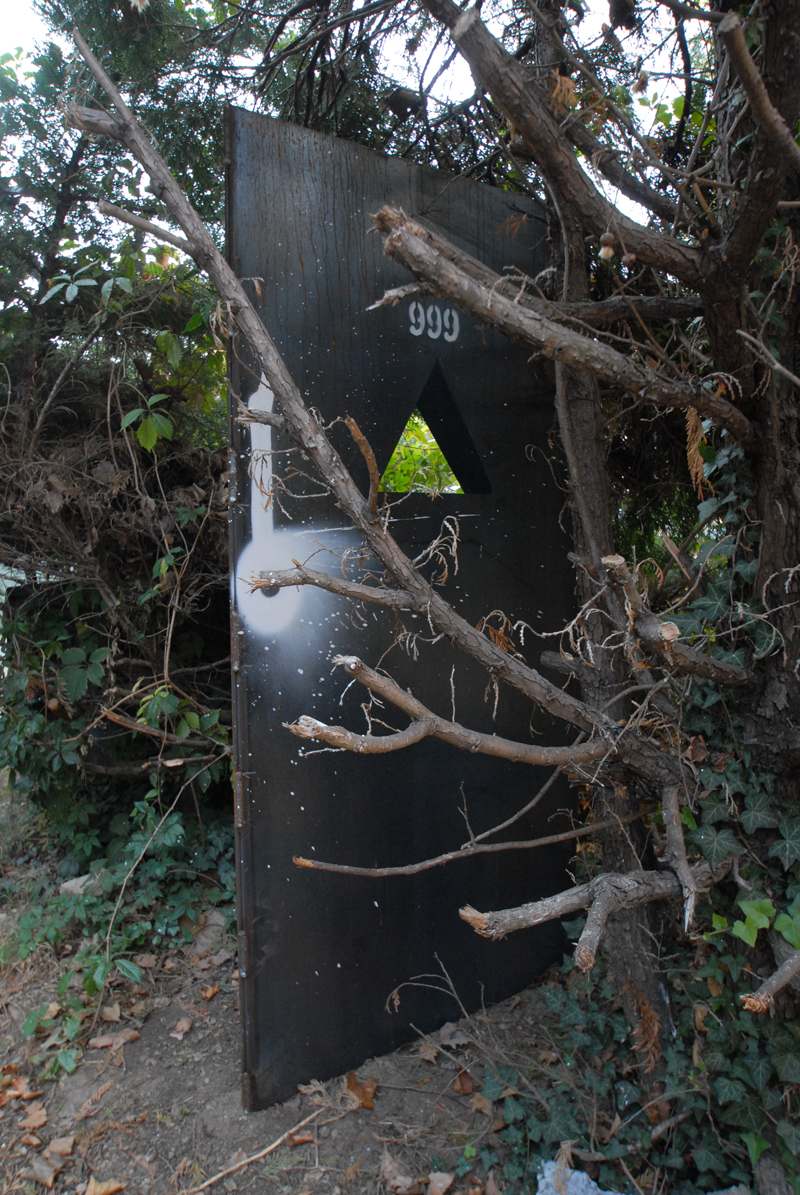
column 425, row 723
column 768, row 117
column 763, row 999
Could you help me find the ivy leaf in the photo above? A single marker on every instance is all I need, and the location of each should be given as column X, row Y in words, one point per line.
column 708, row 1156
column 756, row 1144
column 716, row 845
column 788, row 1067
column 728, row 1090
column 791, row 1136
column 789, row 928
column 759, row 911
column 787, row 848
column 758, row 813
column 759, row 1069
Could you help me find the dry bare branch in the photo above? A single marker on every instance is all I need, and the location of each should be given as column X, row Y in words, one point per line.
column 769, row 119
column 762, row 999
column 617, row 892
column 465, row 852
column 428, row 255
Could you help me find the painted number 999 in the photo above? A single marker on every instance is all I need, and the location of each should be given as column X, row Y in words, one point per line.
column 430, row 319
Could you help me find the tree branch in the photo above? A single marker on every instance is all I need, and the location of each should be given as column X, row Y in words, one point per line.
column 465, row 853
column 395, row 599
column 431, row 257
column 162, row 234
column 675, row 854
column 425, row 723
column 617, row 892
column 762, row 999
column 768, row 117
column 525, row 104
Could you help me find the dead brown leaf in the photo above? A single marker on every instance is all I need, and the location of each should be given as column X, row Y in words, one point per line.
column 352, row 1171
column 20, row 1089
column 701, row 1011
column 208, row 993
column 113, row 1041
column 464, row 1083
column 182, row 1027
column 109, row 1187
column 148, row 961
column 451, row 1035
column 439, row 1181
column 714, row 988
column 548, row 1057
column 110, row 1012
column 364, row 1090
column 62, row 1146
column 39, row 1170
column 87, row 1109
column 491, row 1186
column 697, row 751
column 30, row 1139
column 393, row 1176
column 150, row 1168
column 427, row 1052
column 37, row 1116
column 481, row 1103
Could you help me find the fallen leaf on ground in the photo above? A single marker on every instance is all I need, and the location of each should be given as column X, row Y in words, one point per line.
column 222, row 956
column 237, row 1158
column 113, row 1041
column 352, row 1171
column 39, row 1170
column 439, row 1181
column 170, row 964
column 61, row 1146
column 20, row 1089
column 110, row 1012
column 86, row 1109
column 393, row 1176
column 451, row 1035
column 146, row 1165
column 300, row 1138
column 148, row 961
column 208, row 993
column 181, row 1029
column 109, row 1187
column 37, row 1116
column 52, row 1010
column 427, row 1052
column 30, row 1139
column 464, row 1083
column 364, row 1090
column 498, row 1125
column 491, row 1186
column 481, row 1103
column 548, row 1057
column 476, row 1188
column 315, row 1175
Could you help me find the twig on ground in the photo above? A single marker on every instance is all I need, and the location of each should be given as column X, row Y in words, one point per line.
column 253, row 1158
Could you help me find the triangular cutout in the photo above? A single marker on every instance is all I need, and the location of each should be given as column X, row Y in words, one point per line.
column 435, row 453
column 418, row 463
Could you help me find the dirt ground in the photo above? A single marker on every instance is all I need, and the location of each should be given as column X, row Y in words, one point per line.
column 161, row 1113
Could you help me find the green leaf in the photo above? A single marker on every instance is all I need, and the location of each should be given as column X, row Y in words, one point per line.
column 147, row 433
column 756, row 1144
column 73, row 655
column 131, row 417
column 125, row 284
column 787, row 848
column 759, row 911
column 53, row 291
column 128, row 969
column 105, row 292
column 715, row 844
column 789, row 928
column 728, row 1090
column 210, row 719
column 788, row 1067
column 68, row 1060
column 193, row 719
column 708, row 1156
column 195, row 322
column 162, row 424
column 758, row 813
column 75, row 682
column 32, row 1020
column 72, row 1028
column 169, row 346
column 72, row 292
column 791, row 1136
